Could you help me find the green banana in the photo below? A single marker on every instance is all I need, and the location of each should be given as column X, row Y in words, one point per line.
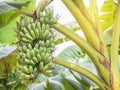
column 29, row 27
column 20, row 48
column 42, row 55
column 38, row 25
column 24, row 48
column 29, row 62
column 25, row 30
column 37, row 45
column 35, row 70
column 37, row 33
column 32, row 33
column 28, row 51
column 32, row 53
column 51, row 13
column 46, row 56
column 41, row 66
column 24, row 40
column 25, row 69
column 25, row 82
column 43, row 49
column 39, row 57
column 32, row 63
column 25, row 76
column 47, row 72
column 36, row 51
column 53, row 21
column 43, row 26
column 11, row 83
column 29, row 47
column 33, row 26
column 46, row 61
column 30, row 69
column 47, row 11
column 50, row 65
column 46, row 19
column 42, row 34
column 23, row 56
column 28, row 36
column 41, row 19
column 52, row 44
column 46, row 34
column 42, row 43
column 32, row 76
column 28, row 56
column 47, row 43
column 21, row 34
column 48, row 28
column 26, row 61
column 35, row 60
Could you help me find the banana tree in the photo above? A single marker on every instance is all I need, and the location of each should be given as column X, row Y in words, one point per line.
column 105, row 61
column 103, row 56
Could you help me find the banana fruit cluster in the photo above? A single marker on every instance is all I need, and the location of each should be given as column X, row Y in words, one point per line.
column 36, row 43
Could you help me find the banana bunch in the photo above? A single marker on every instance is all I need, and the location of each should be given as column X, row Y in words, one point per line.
column 36, row 44
column 47, row 17
column 11, row 82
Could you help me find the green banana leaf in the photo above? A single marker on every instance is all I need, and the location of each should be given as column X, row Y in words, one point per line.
column 9, row 12
column 7, row 63
column 30, row 5
column 67, row 84
column 108, row 13
column 5, row 51
column 68, row 50
column 7, row 33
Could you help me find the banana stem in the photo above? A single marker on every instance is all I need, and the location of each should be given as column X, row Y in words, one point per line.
column 77, row 39
column 41, row 5
column 99, row 60
column 85, row 25
column 91, row 29
column 82, row 71
column 94, row 37
column 96, row 24
column 114, row 46
column 26, row 12
column 80, row 4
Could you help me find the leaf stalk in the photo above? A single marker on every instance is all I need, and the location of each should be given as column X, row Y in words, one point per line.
column 81, row 70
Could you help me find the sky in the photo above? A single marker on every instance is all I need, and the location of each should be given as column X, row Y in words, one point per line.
column 63, row 12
